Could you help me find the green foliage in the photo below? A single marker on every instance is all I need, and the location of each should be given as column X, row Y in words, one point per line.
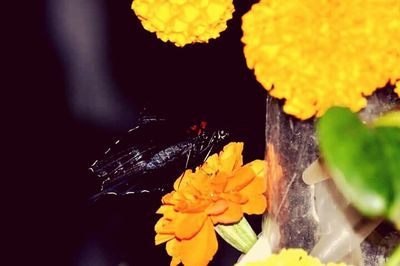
column 363, row 160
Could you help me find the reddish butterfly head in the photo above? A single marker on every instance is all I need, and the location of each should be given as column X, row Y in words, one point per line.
column 197, row 129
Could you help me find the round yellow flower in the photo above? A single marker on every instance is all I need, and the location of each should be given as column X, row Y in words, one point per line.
column 184, row 21
column 292, row 257
column 316, row 54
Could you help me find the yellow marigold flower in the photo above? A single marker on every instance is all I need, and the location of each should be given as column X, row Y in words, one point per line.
column 316, row 54
column 292, row 257
column 219, row 192
column 184, row 21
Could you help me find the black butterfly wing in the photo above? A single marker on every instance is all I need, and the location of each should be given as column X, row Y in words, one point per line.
column 152, row 156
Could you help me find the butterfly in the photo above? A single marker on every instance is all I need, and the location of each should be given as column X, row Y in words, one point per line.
column 153, row 154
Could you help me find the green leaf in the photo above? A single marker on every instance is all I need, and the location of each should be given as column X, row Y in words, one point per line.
column 389, row 138
column 354, row 155
column 394, row 259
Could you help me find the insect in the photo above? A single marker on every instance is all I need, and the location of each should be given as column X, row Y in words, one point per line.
column 153, row 154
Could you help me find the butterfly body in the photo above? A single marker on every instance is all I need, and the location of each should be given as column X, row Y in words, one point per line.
column 152, row 156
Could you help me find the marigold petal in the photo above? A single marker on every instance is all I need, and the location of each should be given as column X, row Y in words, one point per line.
column 232, row 215
column 161, row 238
column 199, row 181
column 257, row 186
column 161, row 210
column 196, row 206
column 183, row 180
column 258, row 167
column 200, row 250
column 175, row 261
column 174, row 249
column 164, row 209
column 256, row 205
column 217, row 208
column 219, row 181
column 165, row 226
column 242, row 178
column 231, row 157
column 161, row 223
column 168, row 212
column 189, row 224
column 236, row 197
column 211, row 164
column 168, row 198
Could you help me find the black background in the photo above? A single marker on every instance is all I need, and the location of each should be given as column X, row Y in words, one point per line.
column 47, row 183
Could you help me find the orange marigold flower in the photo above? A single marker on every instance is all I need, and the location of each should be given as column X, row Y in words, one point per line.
column 316, row 54
column 218, row 192
column 184, row 21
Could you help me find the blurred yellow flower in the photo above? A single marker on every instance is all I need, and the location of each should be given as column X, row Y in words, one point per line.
column 184, row 21
column 292, row 257
column 219, row 192
column 316, row 54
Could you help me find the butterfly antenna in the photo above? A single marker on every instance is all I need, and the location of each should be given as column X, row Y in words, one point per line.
column 208, row 153
column 210, row 143
column 188, row 156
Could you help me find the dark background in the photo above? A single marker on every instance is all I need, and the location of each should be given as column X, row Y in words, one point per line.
column 51, row 221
